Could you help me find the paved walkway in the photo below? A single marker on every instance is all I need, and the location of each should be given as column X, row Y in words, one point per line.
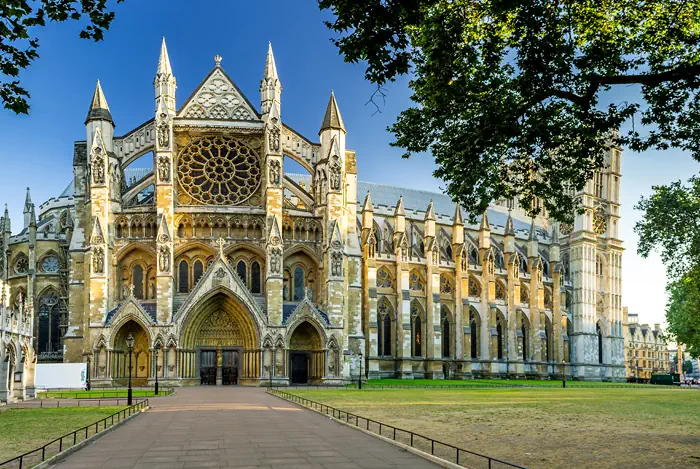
column 236, row 427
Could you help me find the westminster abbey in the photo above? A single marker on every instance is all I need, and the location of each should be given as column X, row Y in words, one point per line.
column 226, row 269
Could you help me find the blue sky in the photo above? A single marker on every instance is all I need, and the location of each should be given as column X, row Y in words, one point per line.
column 37, row 149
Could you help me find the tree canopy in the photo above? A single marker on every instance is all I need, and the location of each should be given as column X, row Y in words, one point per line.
column 671, row 226
column 508, row 94
column 19, row 45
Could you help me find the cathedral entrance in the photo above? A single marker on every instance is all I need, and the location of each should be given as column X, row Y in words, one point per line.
column 222, row 334
column 307, row 358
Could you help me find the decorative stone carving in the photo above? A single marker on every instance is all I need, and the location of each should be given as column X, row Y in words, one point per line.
column 164, row 259
column 275, row 260
column 337, row 264
column 275, row 172
column 335, row 174
column 218, row 98
column 98, row 166
column 274, row 139
column 163, row 130
column 98, row 260
column 22, row 265
column 164, row 168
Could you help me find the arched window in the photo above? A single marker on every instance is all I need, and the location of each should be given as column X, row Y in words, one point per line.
column 499, row 339
column 255, row 278
column 183, row 273
column 473, row 256
column 445, row 322
column 473, row 335
column 524, row 331
column 298, row 283
column 137, row 281
column 241, row 271
column 416, row 329
column 384, row 278
column 49, row 322
column 415, row 281
column 198, row 271
column 384, row 328
column 600, row 343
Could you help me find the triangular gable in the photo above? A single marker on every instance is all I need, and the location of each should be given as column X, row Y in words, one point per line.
column 220, row 276
column 130, row 309
column 218, row 97
column 306, row 310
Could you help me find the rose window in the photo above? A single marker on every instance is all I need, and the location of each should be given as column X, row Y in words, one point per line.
column 22, row 266
column 219, row 171
column 50, row 264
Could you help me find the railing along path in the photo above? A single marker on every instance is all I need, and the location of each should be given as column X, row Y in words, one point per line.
column 440, row 449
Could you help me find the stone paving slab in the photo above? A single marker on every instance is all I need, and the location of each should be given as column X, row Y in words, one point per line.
column 214, row 427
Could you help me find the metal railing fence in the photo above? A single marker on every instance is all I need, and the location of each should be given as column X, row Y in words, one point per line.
column 58, row 445
column 442, row 450
column 92, row 394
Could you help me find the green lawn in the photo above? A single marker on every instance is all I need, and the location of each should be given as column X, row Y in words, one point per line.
column 96, row 393
column 543, row 428
column 22, row 430
column 492, row 383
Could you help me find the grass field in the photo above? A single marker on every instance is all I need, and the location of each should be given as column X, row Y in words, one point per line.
column 493, row 383
column 96, row 393
column 544, row 428
column 22, row 430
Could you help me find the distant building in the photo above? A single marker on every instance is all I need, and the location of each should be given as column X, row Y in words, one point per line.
column 646, row 351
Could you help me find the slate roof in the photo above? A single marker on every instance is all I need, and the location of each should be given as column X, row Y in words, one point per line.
column 289, row 308
column 149, row 307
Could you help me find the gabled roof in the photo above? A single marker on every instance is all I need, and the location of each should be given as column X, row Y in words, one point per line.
column 218, row 97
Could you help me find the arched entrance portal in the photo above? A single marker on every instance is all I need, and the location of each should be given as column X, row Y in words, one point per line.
column 307, row 358
column 140, row 358
column 222, row 343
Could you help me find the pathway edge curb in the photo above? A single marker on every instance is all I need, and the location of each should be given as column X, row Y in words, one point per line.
column 61, row 456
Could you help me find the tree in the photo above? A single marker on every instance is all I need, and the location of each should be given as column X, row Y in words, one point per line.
column 670, row 224
column 18, row 46
column 687, row 367
column 507, row 94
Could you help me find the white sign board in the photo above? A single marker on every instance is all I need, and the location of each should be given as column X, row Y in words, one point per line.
column 60, row 375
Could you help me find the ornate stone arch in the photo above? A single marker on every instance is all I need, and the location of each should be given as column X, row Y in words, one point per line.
column 131, row 310
column 122, row 252
column 308, row 318
column 100, row 342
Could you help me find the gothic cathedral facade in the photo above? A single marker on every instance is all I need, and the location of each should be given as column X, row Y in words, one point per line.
column 226, row 269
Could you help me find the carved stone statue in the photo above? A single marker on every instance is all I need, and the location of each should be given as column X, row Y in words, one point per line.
column 163, row 131
column 98, row 260
column 335, row 175
column 98, row 166
column 164, row 169
column 275, row 260
column 164, row 259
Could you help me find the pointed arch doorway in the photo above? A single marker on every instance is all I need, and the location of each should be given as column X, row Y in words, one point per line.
column 222, row 340
column 307, row 357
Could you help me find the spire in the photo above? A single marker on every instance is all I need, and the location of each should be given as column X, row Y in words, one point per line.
column 533, row 231
column 510, row 230
column 430, row 212
column 270, row 66
column 332, row 119
column 485, row 221
column 164, row 67
column 367, row 206
column 555, row 234
column 28, row 202
column 458, row 215
column 8, row 228
column 399, row 208
column 99, row 110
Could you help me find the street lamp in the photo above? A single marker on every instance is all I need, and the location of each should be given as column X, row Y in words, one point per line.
column 130, row 345
column 359, row 385
column 155, row 352
column 87, row 378
column 563, row 373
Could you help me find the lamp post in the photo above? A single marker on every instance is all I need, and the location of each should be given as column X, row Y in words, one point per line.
column 87, row 377
column 563, row 374
column 359, row 383
column 155, row 352
column 130, row 345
